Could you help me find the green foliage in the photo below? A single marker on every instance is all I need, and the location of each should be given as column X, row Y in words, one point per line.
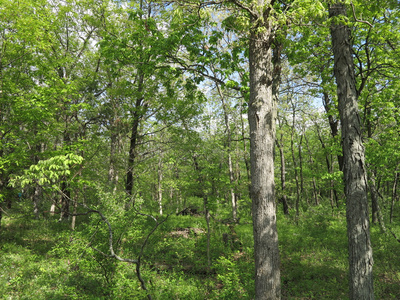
column 75, row 76
column 45, row 259
column 49, row 172
column 228, row 273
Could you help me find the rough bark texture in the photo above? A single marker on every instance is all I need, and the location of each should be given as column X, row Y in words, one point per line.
column 262, row 116
column 355, row 178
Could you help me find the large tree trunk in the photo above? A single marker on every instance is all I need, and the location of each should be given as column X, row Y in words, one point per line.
column 262, row 116
column 355, row 177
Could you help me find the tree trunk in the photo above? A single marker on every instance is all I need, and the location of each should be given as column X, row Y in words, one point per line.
column 296, row 173
column 245, row 151
column 207, row 216
column 354, row 170
column 277, row 62
column 333, row 124
column 394, row 195
column 376, row 211
column 229, row 150
column 65, row 203
column 137, row 114
column 114, row 149
column 37, row 195
column 283, row 176
column 311, row 161
column 301, row 166
column 262, row 116
column 329, row 165
column 159, row 185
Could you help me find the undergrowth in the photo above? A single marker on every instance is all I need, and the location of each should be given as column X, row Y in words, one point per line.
column 44, row 259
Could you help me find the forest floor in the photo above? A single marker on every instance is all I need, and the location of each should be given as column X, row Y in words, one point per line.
column 44, row 259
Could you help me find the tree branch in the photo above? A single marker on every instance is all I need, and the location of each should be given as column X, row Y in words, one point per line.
column 245, row 7
column 355, row 18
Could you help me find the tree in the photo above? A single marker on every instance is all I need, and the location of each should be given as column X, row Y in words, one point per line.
column 262, row 117
column 354, row 169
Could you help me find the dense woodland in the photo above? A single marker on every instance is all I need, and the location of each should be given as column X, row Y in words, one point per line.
column 199, row 149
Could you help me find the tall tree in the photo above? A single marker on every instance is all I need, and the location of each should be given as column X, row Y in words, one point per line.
column 262, row 117
column 354, row 169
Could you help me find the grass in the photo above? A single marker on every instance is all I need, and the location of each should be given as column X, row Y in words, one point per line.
column 43, row 259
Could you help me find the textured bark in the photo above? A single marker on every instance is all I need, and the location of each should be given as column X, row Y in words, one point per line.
column 355, row 177
column 262, row 116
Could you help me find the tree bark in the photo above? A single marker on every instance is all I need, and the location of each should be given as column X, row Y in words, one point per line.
column 354, row 170
column 262, row 116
